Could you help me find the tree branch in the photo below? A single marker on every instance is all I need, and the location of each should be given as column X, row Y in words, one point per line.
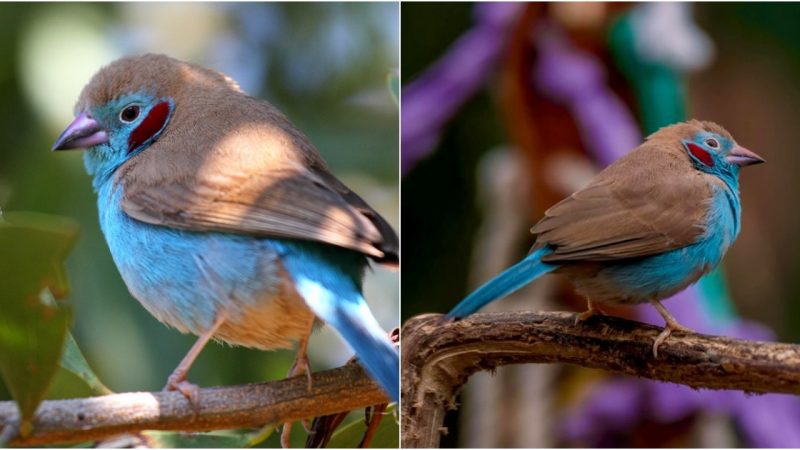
column 438, row 358
column 63, row 421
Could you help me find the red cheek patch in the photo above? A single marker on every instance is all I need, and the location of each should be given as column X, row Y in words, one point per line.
column 701, row 154
column 149, row 127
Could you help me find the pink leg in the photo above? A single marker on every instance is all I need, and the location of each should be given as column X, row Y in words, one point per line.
column 177, row 380
column 671, row 325
column 300, row 366
column 591, row 310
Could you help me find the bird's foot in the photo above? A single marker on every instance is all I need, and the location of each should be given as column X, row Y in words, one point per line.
column 666, row 332
column 177, row 379
column 670, row 326
column 300, row 366
column 177, row 382
column 591, row 310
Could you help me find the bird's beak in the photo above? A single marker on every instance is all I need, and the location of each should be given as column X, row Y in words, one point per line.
column 743, row 157
column 83, row 132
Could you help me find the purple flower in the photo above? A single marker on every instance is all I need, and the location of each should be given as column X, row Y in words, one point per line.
column 433, row 98
column 577, row 80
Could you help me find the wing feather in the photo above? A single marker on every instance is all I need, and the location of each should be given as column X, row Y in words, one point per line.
column 256, row 177
column 639, row 206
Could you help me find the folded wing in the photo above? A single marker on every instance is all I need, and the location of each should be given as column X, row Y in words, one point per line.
column 638, row 207
column 255, row 177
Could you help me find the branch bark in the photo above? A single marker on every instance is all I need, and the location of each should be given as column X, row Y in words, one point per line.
column 438, row 358
column 86, row 419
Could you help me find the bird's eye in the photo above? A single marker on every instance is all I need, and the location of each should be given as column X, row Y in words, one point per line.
column 711, row 142
column 129, row 113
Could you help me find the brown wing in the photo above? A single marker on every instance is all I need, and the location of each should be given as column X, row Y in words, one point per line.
column 639, row 206
column 253, row 177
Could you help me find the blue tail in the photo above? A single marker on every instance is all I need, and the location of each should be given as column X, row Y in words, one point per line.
column 507, row 282
column 329, row 280
column 372, row 345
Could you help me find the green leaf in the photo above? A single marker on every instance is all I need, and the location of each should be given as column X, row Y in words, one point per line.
column 32, row 325
column 393, row 81
column 387, row 436
column 74, row 361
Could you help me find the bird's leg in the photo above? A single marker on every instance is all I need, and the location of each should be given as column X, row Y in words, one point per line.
column 177, row 379
column 299, row 366
column 591, row 310
column 671, row 325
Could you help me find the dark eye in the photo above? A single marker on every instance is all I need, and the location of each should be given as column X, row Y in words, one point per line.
column 711, row 142
column 129, row 114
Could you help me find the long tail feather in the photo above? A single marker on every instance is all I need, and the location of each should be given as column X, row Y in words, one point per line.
column 349, row 315
column 372, row 345
column 327, row 278
column 504, row 284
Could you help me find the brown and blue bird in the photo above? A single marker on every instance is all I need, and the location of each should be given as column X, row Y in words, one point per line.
column 223, row 219
column 645, row 228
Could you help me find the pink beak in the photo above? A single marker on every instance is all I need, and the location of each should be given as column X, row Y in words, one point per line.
column 743, row 157
column 83, row 132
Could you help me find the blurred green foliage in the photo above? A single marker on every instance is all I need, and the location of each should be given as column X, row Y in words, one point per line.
column 324, row 64
column 32, row 326
column 73, row 360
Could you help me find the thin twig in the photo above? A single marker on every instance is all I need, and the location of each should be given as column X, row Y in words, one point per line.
column 373, row 420
column 87, row 419
column 322, row 429
column 439, row 357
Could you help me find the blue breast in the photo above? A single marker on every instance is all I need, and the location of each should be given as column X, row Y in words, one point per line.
column 662, row 275
column 181, row 277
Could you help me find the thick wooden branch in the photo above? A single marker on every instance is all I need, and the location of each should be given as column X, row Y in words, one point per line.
column 63, row 421
column 438, row 358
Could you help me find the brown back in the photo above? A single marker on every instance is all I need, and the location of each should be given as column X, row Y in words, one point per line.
column 229, row 162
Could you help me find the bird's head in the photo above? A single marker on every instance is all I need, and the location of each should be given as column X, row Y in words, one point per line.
column 709, row 147
column 129, row 105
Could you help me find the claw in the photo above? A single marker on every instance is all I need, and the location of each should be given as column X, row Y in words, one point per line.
column 177, row 380
column 670, row 326
column 301, row 365
column 189, row 390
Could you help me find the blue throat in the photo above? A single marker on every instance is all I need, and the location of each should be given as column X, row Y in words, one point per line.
column 730, row 176
column 98, row 164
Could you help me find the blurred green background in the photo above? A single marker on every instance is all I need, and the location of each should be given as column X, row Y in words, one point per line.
column 324, row 64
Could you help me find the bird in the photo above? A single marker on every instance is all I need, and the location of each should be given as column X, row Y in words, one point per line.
column 222, row 217
column 644, row 228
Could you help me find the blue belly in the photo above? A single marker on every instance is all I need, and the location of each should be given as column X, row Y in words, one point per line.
column 665, row 274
